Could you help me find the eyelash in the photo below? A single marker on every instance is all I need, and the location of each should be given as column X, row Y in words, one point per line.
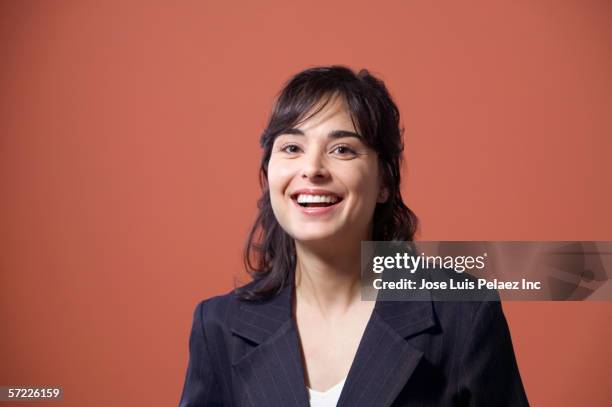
column 284, row 148
column 350, row 149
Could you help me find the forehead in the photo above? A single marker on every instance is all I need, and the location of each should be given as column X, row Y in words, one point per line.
column 331, row 112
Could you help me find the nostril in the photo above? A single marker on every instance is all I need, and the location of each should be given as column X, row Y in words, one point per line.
column 313, row 173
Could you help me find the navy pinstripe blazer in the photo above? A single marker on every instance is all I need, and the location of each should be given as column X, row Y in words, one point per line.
column 421, row 353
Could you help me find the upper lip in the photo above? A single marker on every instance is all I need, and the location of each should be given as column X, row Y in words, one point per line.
column 313, row 191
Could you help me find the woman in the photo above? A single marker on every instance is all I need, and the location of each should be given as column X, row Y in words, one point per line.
column 299, row 334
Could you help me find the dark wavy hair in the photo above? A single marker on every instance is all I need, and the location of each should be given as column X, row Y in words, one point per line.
column 269, row 253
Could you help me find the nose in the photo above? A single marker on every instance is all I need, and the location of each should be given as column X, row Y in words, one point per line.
column 314, row 167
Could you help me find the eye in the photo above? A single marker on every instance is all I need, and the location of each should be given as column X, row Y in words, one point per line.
column 290, row 148
column 344, row 150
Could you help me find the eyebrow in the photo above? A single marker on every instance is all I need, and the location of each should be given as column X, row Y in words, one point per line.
column 335, row 134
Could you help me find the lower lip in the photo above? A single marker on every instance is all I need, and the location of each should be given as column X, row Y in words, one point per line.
column 316, row 211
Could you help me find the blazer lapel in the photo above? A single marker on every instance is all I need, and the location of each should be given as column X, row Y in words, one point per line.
column 271, row 373
column 385, row 360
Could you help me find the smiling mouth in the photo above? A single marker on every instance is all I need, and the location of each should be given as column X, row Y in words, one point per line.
column 316, row 201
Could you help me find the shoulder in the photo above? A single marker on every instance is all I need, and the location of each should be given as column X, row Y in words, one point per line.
column 219, row 310
column 471, row 322
column 464, row 307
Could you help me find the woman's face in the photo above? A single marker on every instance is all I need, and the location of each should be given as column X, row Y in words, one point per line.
column 324, row 181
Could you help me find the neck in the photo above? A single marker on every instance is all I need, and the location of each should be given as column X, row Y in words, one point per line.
column 328, row 277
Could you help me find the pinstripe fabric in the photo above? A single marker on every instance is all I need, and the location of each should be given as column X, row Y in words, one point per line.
column 423, row 353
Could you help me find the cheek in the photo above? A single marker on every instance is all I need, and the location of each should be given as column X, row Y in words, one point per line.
column 364, row 184
column 279, row 176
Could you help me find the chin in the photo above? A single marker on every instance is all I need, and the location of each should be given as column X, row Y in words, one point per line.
column 313, row 236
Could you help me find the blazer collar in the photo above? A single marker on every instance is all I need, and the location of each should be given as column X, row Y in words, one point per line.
column 383, row 363
column 257, row 321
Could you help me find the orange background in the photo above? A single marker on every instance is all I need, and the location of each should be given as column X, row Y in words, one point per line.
column 129, row 156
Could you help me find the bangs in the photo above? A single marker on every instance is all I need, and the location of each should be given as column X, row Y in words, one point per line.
column 302, row 99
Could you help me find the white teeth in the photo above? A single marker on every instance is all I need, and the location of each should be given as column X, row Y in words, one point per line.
column 303, row 198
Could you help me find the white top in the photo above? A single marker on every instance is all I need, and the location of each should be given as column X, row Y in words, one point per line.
column 328, row 398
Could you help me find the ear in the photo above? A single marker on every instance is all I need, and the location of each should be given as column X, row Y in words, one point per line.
column 383, row 195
